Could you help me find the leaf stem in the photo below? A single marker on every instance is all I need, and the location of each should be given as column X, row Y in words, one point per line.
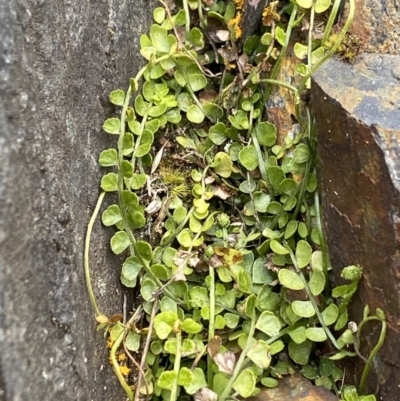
column 373, row 353
column 312, row 299
column 211, row 324
column 86, row 254
column 177, row 365
column 239, row 363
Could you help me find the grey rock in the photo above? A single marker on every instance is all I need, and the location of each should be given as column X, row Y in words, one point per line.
column 59, row 60
column 357, row 111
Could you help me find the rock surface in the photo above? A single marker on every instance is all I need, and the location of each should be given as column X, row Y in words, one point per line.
column 376, row 26
column 357, row 111
column 297, row 388
column 58, row 62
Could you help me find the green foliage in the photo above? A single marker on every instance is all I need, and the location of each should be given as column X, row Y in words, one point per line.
column 216, row 215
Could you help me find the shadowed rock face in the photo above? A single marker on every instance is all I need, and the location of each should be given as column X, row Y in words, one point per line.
column 58, row 62
column 357, row 111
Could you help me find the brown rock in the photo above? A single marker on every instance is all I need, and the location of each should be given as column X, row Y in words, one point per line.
column 297, row 388
column 357, row 111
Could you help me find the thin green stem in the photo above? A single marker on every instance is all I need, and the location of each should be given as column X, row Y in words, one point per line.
column 187, row 17
column 261, row 161
column 177, row 365
column 282, row 55
column 86, row 254
column 211, row 324
column 331, row 20
column 312, row 299
column 333, row 49
column 279, row 83
column 239, row 363
column 373, row 353
column 324, row 248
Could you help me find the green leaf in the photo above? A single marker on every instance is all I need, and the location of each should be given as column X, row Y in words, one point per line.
column 275, row 176
column 167, row 379
column 116, row 331
column 143, row 250
column 159, row 15
column 138, row 181
column 317, row 282
column 141, row 106
column 274, row 208
column 146, row 140
column 260, row 355
column 164, row 323
column 303, row 230
column 161, row 272
column 298, row 335
column 269, row 382
column 111, row 216
column 250, row 306
column 290, row 279
column 194, row 114
column 280, row 35
column 185, row 238
column 198, row 381
column 303, row 253
column 222, row 165
column 119, row 242
column 131, row 268
column 196, row 38
column 278, row 248
column 269, row 324
column 190, row 326
column 231, row 320
column 159, row 39
column 197, row 82
column 126, row 169
column 261, row 201
column 185, row 377
column 132, row 341
column 303, row 308
column 300, row 352
column 266, row 39
column 108, row 158
column 300, row 51
column 247, row 186
column 267, row 300
column 245, row 383
column 127, row 283
column 266, row 133
column 316, row 334
column 288, row 186
column 117, row 97
column 158, row 110
column 330, row 314
column 244, row 282
column 301, row 154
column 276, row 347
column 112, row 125
column 147, row 289
column 248, row 157
column 320, row 7
column 290, row 229
column 213, row 111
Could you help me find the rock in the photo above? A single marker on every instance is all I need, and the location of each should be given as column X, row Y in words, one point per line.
column 58, row 62
column 357, row 112
column 376, row 26
column 297, row 388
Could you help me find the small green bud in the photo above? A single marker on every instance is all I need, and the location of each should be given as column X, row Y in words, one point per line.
column 224, row 220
